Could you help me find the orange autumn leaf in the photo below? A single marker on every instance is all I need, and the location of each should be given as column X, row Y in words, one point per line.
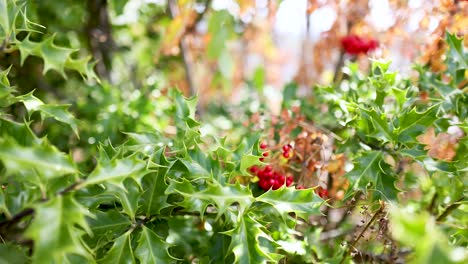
column 440, row 147
column 427, row 138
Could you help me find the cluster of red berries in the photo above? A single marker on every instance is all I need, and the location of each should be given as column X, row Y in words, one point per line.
column 268, row 178
column 264, row 154
column 271, row 179
column 287, row 151
column 354, row 45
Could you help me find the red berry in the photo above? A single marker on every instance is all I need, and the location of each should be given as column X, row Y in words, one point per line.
column 261, row 159
column 287, row 155
column 263, row 184
column 323, row 193
column 253, row 169
column 265, row 154
column 263, row 145
column 277, row 185
column 287, row 148
column 268, row 168
column 271, row 182
column 281, row 179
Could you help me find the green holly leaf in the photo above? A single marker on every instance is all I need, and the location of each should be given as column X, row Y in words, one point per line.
column 20, row 131
column 372, row 172
column 418, row 230
column 250, row 242
column 128, row 196
column 58, row 112
column 247, row 161
column 151, row 248
column 106, row 226
column 146, row 143
column 6, row 91
column 219, row 26
column 43, row 158
column 7, row 17
column 12, row 254
column 121, row 251
column 84, row 66
column 214, row 194
column 56, row 229
column 381, row 128
column 55, row 57
column 3, row 205
column 400, row 96
column 457, row 53
column 303, row 203
column 411, row 124
column 154, row 187
column 116, row 171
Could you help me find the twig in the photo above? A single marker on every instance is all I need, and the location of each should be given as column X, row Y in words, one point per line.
column 431, row 206
column 73, row 187
column 29, row 211
column 346, row 253
column 26, row 212
column 174, row 11
column 199, row 17
column 338, row 75
column 350, row 208
column 450, row 208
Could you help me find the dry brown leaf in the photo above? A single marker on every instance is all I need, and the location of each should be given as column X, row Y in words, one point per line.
column 440, row 147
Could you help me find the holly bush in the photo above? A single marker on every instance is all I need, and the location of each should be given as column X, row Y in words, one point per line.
column 132, row 176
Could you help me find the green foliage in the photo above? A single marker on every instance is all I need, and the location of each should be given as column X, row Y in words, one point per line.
column 143, row 184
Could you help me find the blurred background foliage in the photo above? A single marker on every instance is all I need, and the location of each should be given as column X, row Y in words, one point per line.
column 275, row 67
column 226, row 52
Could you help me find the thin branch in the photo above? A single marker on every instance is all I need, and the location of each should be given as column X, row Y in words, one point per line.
column 431, row 206
column 450, row 209
column 184, row 49
column 191, row 28
column 346, row 253
column 350, row 208
column 75, row 186
column 29, row 211
column 18, row 217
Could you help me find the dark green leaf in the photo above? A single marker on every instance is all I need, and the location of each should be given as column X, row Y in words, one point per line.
column 151, row 248
column 57, row 229
column 58, row 112
column 44, row 158
column 246, row 242
column 121, row 251
column 303, row 203
column 372, row 172
column 116, row 171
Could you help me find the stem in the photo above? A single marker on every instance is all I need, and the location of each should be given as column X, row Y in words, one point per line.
column 75, row 186
column 431, row 206
column 346, row 253
column 350, row 208
column 184, row 49
column 26, row 212
column 450, row 209
column 338, row 75
column 29, row 211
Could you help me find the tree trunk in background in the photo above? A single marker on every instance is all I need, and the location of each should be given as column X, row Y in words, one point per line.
column 99, row 32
